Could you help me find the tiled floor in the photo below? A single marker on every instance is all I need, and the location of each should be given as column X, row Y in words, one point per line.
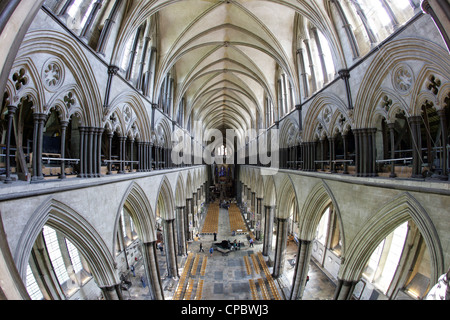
column 226, row 276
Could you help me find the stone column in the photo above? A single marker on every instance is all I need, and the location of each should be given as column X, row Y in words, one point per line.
column 87, row 27
column 416, row 139
column 280, row 247
column 391, row 127
column 369, row 31
column 152, row 270
column 133, row 54
column 110, row 137
column 39, row 120
column 253, row 210
column 321, row 55
column 81, row 174
column 11, row 111
column 444, row 142
column 64, row 125
column 169, row 235
column 106, row 31
column 268, row 229
column 131, row 155
column 188, row 218
column 259, row 213
column 345, row 141
column 357, row 135
column 181, row 229
column 121, row 155
column 372, row 152
column 311, row 66
column 348, row 29
column 302, row 72
column 301, row 269
column 322, row 149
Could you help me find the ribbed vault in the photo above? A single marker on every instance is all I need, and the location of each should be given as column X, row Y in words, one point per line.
column 227, row 55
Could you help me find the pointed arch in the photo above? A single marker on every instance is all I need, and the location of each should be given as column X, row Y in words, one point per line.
column 139, row 208
column 64, row 219
column 399, row 210
column 165, row 200
column 287, row 193
column 319, row 198
column 180, row 192
column 270, row 195
column 68, row 50
column 259, row 186
column 189, row 188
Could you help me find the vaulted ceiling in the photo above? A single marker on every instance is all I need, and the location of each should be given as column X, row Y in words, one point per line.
column 225, row 55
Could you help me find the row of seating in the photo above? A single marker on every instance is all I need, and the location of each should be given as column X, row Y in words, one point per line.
column 195, row 265
column 256, row 264
column 211, row 224
column 253, row 289
column 236, row 220
column 269, row 278
column 203, row 269
column 198, row 296
column 264, row 292
column 247, row 265
column 190, row 269
column 190, row 287
column 183, row 277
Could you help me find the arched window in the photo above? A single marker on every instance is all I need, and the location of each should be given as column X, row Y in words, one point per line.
column 70, row 271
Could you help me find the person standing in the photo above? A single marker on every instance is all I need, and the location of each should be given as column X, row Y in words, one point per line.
column 211, row 250
column 201, row 248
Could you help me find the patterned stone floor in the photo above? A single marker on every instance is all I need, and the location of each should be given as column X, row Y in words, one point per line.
column 226, row 276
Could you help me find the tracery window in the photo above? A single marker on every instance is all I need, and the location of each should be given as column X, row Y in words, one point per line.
column 383, row 262
column 67, row 265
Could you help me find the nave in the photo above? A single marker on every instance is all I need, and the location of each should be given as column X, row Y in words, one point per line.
column 241, row 274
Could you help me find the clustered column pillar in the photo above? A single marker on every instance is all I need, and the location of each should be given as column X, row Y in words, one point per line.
column 152, row 270
column 365, row 152
column 268, row 229
column 259, row 213
column 416, row 137
column 169, row 233
column 280, row 247
column 301, row 269
column 189, row 218
column 181, row 231
column 39, row 119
